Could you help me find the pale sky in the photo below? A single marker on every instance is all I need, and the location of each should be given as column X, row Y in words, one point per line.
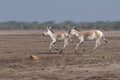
column 59, row 10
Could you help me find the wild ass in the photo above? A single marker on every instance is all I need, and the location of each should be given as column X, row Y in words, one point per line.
column 87, row 35
column 56, row 37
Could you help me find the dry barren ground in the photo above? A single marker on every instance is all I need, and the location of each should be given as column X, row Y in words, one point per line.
column 17, row 46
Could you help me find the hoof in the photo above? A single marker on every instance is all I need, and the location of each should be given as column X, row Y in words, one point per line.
column 106, row 41
column 61, row 51
column 92, row 51
column 75, row 51
column 56, row 49
column 72, row 41
column 83, row 50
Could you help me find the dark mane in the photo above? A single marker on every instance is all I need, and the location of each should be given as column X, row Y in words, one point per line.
column 51, row 30
column 75, row 28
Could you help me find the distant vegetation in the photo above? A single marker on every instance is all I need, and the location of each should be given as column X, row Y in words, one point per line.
column 14, row 25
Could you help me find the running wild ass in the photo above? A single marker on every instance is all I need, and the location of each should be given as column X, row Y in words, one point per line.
column 56, row 37
column 87, row 35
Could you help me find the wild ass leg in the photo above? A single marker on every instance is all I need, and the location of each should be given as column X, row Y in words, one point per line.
column 96, row 45
column 65, row 44
column 54, row 46
column 70, row 39
column 79, row 44
column 51, row 44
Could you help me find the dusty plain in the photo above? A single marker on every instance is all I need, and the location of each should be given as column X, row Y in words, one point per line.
column 16, row 47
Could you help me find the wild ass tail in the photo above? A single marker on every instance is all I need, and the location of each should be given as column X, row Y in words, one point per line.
column 104, row 39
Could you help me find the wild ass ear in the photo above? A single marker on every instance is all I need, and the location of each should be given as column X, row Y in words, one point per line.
column 74, row 27
column 50, row 27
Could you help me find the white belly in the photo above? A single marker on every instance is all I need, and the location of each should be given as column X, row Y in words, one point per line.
column 92, row 37
column 60, row 38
